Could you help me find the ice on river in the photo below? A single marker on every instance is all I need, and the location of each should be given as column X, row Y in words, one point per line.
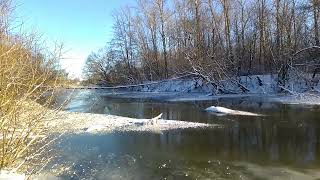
column 71, row 122
column 225, row 111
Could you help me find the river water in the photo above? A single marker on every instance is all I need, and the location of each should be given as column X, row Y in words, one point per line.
column 283, row 144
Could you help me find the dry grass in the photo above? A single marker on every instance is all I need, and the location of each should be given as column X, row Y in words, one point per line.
column 26, row 75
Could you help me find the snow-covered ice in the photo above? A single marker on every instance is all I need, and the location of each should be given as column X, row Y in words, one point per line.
column 222, row 110
column 71, row 122
column 8, row 175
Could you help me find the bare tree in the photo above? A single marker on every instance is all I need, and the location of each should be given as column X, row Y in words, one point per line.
column 222, row 39
column 316, row 13
column 160, row 6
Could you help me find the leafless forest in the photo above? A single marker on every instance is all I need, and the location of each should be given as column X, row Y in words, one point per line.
column 213, row 39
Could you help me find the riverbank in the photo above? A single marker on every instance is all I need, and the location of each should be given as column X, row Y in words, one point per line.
column 308, row 98
column 186, row 89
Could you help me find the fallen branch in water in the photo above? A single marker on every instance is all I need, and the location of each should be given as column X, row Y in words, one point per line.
column 154, row 120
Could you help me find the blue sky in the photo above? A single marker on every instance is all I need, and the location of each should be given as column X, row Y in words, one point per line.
column 82, row 25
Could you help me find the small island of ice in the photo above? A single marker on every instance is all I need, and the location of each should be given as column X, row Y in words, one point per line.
column 225, row 111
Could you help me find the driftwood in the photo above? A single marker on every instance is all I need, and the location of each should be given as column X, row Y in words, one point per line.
column 154, row 120
column 288, row 90
column 305, row 49
column 291, row 67
column 207, row 79
column 218, row 87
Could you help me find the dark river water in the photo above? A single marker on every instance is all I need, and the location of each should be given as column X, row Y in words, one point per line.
column 283, row 144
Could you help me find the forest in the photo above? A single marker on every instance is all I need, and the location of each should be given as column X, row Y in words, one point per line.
column 214, row 39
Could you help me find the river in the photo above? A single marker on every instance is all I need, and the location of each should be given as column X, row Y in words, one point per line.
column 283, row 144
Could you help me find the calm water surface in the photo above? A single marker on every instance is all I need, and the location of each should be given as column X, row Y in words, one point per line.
column 284, row 144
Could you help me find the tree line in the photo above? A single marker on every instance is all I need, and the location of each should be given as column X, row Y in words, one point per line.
column 217, row 39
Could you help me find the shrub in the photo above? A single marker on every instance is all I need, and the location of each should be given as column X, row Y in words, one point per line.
column 27, row 72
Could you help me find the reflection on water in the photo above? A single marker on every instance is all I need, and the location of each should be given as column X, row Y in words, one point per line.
column 283, row 144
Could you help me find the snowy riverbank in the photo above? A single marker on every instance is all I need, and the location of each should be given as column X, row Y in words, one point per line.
column 255, row 84
column 296, row 90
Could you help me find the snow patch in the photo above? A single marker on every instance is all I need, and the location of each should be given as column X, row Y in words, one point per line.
column 8, row 175
column 71, row 122
column 95, row 127
column 305, row 99
column 225, row 111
